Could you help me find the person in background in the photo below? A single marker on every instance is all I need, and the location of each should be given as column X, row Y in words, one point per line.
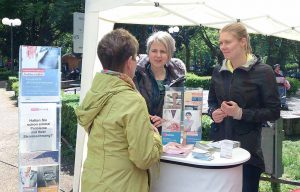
column 122, row 143
column 243, row 95
column 282, row 85
column 156, row 71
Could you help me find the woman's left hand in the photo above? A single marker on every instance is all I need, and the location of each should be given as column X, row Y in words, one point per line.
column 232, row 109
column 156, row 120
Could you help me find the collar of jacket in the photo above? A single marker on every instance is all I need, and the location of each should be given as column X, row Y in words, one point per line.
column 122, row 76
column 246, row 67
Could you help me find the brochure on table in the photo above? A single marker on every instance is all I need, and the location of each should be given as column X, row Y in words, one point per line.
column 39, row 118
column 182, row 115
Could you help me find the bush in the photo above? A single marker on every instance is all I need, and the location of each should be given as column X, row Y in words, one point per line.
column 295, row 85
column 4, row 74
column 193, row 80
column 10, row 81
column 206, row 121
column 15, row 87
column 291, row 66
column 68, row 118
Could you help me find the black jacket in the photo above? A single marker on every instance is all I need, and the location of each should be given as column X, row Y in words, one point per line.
column 253, row 87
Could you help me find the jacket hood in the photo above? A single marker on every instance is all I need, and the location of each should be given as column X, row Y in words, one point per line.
column 247, row 66
column 104, row 86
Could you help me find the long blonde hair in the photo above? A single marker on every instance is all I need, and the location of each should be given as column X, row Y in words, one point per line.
column 239, row 31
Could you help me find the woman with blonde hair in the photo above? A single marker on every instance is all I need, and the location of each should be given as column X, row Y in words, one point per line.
column 242, row 96
column 158, row 70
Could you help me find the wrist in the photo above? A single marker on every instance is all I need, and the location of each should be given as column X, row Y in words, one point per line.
column 238, row 114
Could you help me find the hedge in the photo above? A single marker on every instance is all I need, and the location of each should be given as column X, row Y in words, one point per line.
column 295, row 85
column 4, row 74
column 206, row 121
column 193, row 80
column 69, row 119
column 15, row 87
column 10, row 82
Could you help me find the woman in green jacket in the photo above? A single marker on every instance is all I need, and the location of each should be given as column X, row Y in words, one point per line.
column 122, row 142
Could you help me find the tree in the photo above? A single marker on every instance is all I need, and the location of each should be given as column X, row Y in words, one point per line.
column 43, row 22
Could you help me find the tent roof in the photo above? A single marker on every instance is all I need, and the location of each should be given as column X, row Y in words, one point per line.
column 268, row 17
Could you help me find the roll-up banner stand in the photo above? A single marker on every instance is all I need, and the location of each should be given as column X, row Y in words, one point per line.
column 39, row 118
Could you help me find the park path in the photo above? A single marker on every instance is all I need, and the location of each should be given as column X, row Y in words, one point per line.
column 8, row 141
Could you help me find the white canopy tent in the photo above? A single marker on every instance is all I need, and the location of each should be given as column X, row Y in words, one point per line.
column 279, row 18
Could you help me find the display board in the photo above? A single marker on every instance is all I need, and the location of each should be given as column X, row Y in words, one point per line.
column 39, row 118
column 182, row 112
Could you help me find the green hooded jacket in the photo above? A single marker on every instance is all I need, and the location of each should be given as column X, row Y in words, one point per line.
column 121, row 143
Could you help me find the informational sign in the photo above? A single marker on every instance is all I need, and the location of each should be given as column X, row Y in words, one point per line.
column 40, row 73
column 39, row 118
column 38, row 127
column 78, row 28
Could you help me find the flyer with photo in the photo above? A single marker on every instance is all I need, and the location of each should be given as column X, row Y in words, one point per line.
column 48, row 178
column 171, row 130
column 173, row 99
column 28, row 178
column 193, row 99
column 193, row 102
column 40, row 73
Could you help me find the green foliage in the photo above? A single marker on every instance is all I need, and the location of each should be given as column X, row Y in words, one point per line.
column 291, row 66
column 290, row 160
column 5, row 73
column 206, row 121
column 2, row 69
column 65, row 41
column 193, row 80
column 10, row 81
column 69, row 119
column 43, row 23
column 15, row 87
column 295, row 86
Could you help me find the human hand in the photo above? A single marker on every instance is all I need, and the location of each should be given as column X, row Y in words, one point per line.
column 156, row 120
column 218, row 115
column 231, row 108
column 287, row 85
column 154, row 129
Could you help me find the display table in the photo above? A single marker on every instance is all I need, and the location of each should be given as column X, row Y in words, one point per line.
column 191, row 175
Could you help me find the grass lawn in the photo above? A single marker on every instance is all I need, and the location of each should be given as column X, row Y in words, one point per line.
column 291, row 164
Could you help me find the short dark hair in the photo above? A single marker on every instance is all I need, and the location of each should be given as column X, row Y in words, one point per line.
column 188, row 113
column 115, row 48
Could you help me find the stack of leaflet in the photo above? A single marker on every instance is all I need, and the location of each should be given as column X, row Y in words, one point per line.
column 205, row 147
column 193, row 99
column 217, row 144
column 177, row 150
column 202, row 154
column 172, row 115
column 182, row 114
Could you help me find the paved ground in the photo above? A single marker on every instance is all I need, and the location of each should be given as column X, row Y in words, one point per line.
column 9, row 147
